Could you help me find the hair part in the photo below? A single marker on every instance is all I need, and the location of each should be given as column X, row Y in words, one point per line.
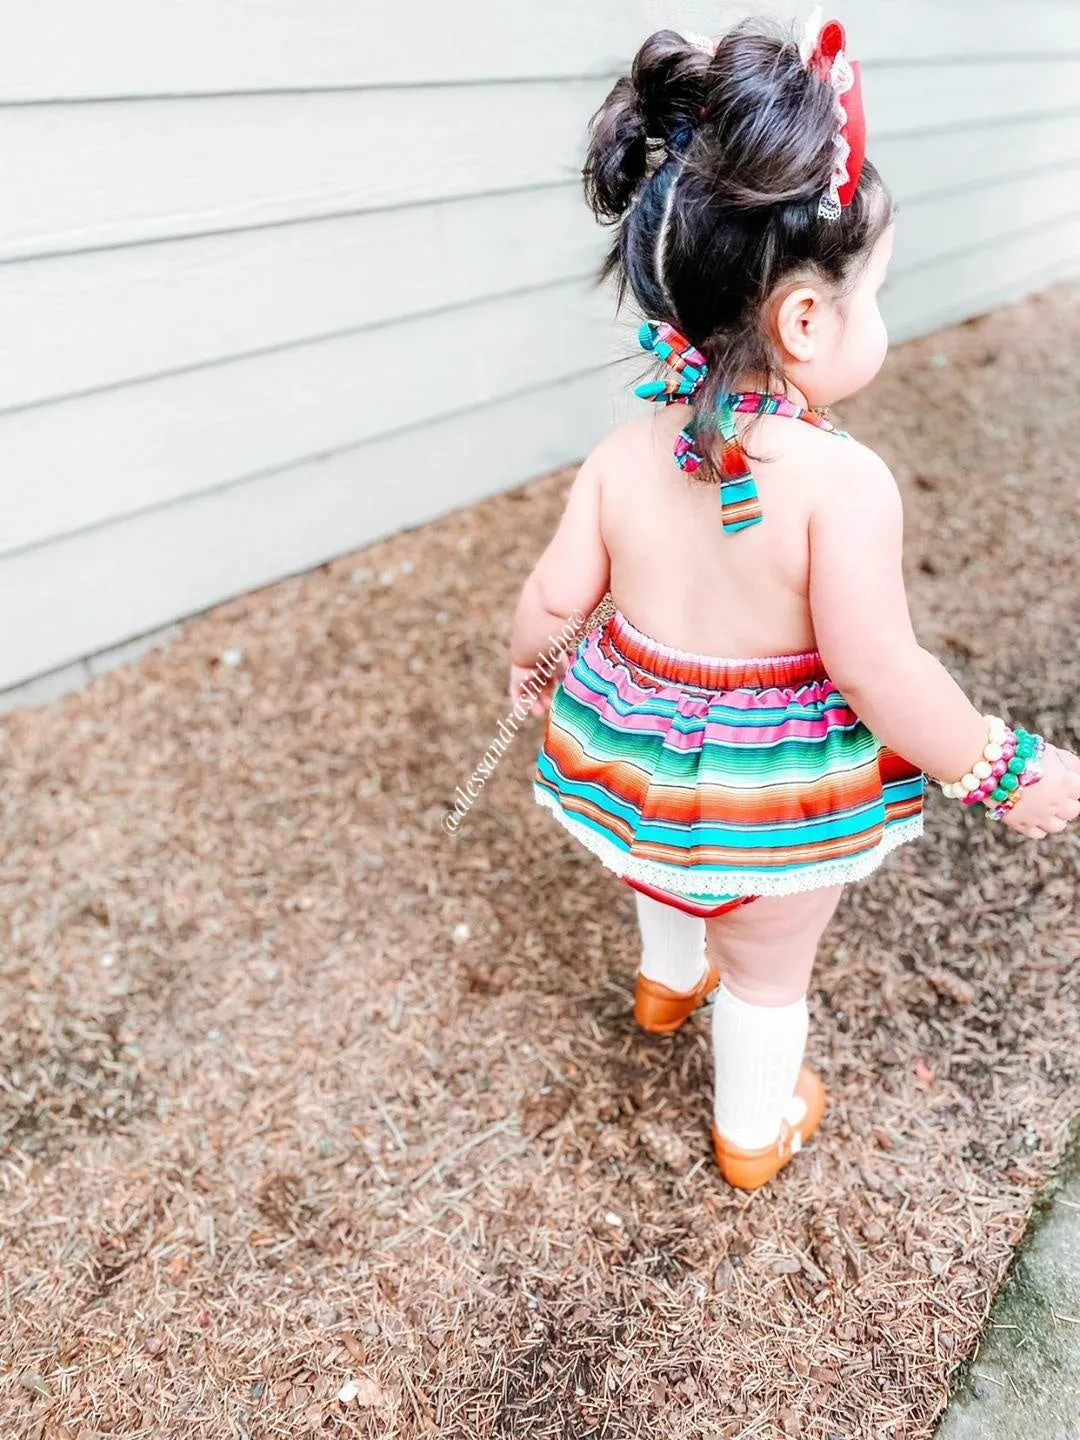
column 712, row 166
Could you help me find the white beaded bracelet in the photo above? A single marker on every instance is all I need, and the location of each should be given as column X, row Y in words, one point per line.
column 998, row 736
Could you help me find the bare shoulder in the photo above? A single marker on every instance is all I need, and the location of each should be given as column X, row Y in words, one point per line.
column 622, row 451
column 856, row 476
column 605, row 465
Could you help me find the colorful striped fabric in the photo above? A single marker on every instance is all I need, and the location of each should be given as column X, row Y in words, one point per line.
column 705, row 781
column 686, row 364
column 740, row 506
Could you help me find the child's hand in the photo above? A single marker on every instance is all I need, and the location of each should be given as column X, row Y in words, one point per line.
column 519, row 674
column 1048, row 807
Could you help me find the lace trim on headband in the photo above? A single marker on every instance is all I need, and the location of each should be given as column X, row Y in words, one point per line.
column 735, row 882
column 841, row 78
column 810, row 36
column 823, row 51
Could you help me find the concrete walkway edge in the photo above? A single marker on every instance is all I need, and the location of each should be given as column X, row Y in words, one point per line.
column 1024, row 1383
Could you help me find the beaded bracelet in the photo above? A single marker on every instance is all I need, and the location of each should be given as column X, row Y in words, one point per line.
column 1010, row 761
column 992, row 764
column 1031, row 774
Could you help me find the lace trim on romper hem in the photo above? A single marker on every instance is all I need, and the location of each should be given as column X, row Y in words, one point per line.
column 731, row 882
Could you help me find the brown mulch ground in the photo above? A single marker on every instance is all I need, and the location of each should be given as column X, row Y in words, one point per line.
column 296, row 1089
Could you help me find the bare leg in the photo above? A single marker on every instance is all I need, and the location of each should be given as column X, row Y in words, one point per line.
column 765, row 951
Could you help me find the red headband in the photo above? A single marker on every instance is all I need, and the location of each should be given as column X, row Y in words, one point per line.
column 845, row 76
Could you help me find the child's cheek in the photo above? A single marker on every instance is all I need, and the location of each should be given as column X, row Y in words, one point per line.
column 873, row 343
column 881, row 339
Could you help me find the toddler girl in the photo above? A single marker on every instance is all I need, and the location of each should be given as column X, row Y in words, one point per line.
column 754, row 721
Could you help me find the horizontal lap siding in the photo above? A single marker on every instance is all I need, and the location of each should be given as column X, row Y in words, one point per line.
column 184, row 303
column 179, row 559
column 128, row 172
column 203, row 46
column 986, row 172
column 255, row 259
column 167, row 439
column 242, row 332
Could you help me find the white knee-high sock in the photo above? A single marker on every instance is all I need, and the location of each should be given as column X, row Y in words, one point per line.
column 672, row 944
column 757, row 1050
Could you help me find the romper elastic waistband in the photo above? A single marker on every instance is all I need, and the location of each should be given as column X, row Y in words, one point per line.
column 710, row 672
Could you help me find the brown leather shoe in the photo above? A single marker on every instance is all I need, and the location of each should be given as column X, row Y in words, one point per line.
column 750, row 1169
column 661, row 1011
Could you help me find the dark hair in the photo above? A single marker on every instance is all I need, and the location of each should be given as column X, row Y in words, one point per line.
column 746, row 136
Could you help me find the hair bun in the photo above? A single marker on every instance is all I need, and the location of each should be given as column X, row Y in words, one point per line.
column 652, row 110
column 771, row 121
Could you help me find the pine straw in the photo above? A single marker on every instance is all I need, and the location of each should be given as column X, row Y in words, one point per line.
column 297, row 1087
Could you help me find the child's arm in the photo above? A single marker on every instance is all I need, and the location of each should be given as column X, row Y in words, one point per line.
column 570, row 577
column 863, row 630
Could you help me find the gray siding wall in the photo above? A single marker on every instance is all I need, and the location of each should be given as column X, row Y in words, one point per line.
column 278, row 278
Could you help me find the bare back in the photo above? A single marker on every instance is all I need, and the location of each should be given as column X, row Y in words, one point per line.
column 676, row 574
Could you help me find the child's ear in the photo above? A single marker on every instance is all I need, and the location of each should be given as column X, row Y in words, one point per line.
column 797, row 317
